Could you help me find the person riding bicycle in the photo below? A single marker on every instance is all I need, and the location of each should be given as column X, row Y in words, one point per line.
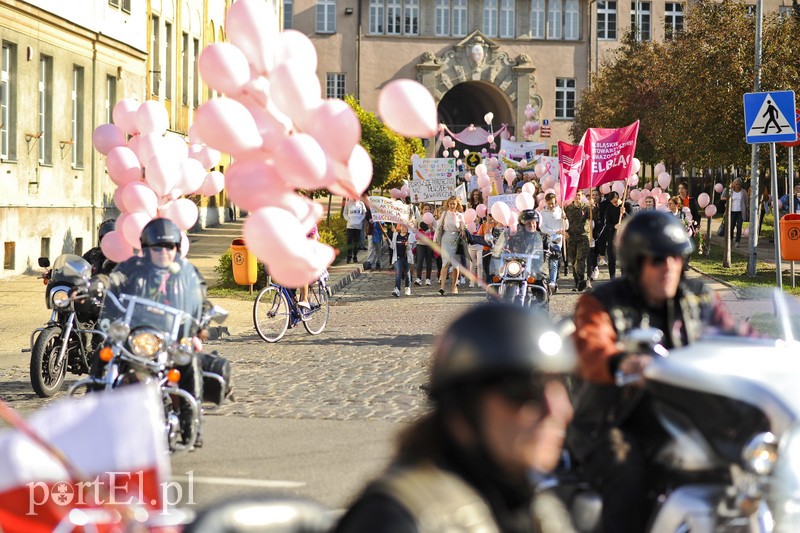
column 615, row 433
column 499, row 414
column 95, row 256
column 162, row 275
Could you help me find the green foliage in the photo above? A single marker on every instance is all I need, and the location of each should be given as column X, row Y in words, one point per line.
column 335, row 234
column 390, row 152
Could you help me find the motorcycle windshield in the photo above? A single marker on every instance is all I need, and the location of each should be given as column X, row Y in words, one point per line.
column 70, row 268
column 138, row 312
column 529, row 247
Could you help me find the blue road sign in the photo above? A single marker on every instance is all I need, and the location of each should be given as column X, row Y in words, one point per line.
column 769, row 117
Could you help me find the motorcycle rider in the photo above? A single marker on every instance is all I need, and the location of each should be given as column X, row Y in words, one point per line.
column 528, row 237
column 615, row 432
column 499, row 414
column 163, row 276
column 95, row 257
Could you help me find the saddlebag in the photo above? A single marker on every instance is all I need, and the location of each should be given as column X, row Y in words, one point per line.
column 213, row 390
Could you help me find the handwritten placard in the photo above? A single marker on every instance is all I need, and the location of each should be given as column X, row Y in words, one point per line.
column 509, row 199
column 388, row 210
column 431, row 190
column 434, row 168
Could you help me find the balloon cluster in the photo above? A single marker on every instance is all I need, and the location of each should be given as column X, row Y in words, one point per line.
column 285, row 137
column 153, row 169
column 531, row 126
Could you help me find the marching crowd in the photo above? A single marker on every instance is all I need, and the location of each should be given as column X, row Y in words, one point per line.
column 577, row 233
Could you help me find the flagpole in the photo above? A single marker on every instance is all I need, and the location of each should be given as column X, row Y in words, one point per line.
column 622, row 205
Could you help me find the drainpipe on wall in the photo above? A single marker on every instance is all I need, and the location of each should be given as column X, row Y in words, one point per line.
column 358, row 52
column 93, row 194
column 589, row 40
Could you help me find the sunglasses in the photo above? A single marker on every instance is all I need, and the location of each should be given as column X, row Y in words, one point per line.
column 661, row 260
column 519, row 391
column 159, row 247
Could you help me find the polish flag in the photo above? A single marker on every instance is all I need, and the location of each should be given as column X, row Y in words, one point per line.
column 116, row 460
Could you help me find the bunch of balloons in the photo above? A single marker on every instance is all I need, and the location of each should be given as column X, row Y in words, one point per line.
column 153, row 170
column 531, row 126
column 284, row 137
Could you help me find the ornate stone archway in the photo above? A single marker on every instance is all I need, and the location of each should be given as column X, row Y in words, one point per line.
column 479, row 59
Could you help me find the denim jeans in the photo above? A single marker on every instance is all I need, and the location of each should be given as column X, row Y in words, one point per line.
column 401, row 271
column 736, row 224
column 552, row 267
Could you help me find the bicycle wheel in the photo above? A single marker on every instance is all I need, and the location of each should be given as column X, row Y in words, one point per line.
column 317, row 317
column 271, row 314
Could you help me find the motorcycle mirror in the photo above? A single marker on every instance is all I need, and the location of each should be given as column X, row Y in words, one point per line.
column 44, row 262
column 218, row 314
column 642, row 340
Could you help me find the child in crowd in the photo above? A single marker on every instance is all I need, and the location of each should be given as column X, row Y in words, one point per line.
column 425, row 252
column 402, row 243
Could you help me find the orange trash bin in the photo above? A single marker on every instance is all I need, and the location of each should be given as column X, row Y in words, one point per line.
column 245, row 266
column 790, row 237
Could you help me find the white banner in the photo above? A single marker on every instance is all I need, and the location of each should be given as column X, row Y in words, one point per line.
column 434, row 168
column 461, row 192
column 431, row 190
column 388, row 210
column 521, row 150
column 509, row 199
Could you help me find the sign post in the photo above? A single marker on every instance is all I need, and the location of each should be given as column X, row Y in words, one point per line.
column 769, row 118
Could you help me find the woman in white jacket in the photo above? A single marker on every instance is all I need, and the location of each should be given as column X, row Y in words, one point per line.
column 448, row 231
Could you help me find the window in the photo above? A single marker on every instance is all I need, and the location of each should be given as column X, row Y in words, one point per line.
column 126, row 6
column 640, row 20
column 376, row 17
column 451, row 18
column 113, row 3
column 394, row 17
column 111, row 97
column 459, row 18
column 571, row 20
column 490, row 18
column 185, row 69
column 288, row 15
column 44, row 247
column 565, row 98
column 442, row 17
column 326, row 16
column 78, row 246
column 195, row 54
column 77, row 116
column 45, row 110
column 673, row 19
column 412, row 17
column 554, row 19
column 334, row 86
column 155, row 41
column 537, row 19
column 606, row 19
column 168, row 53
column 8, row 94
column 9, row 249
column 507, row 19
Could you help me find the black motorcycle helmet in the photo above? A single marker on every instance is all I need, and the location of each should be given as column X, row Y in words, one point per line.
column 161, row 231
column 107, row 226
column 530, row 214
column 494, row 341
column 652, row 234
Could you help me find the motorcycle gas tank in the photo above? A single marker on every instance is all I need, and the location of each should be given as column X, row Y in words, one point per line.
column 727, row 389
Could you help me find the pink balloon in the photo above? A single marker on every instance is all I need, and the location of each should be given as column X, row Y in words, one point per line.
column 648, row 186
column 645, row 193
column 176, row 146
column 618, row 187
column 662, row 207
column 501, row 212
column 405, row 191
column 295, row 91
column 746, row 232
column 226, row 125
column 253, row 27
column 293, row 46
column 539, row 170
column 656, row 191
column 636, row 165
column 107, row 136
column 718, row 187
column 251, row 184
column 352, row 180
column 524, row 201
column 151, row 145
column 152, row 117
column 633, row 181
column 184, row 244
column 207, row 156
column 634, row 195
column 394, row 193
column 664, row 197
column 115, row 247
column 123, row 166
column 605, row 188
column 481, row 170
column 480, row 210
column 703, row 200
column 469, row 215
column 132, row 228
column 138, row 197
column 429, row 219
column 513, row 220
column 124, row 115
column 642, row 202
column 183, row 212
column 118, row 200
column 161, row 174
column 549, row 182
column 301, row 162
column 711, row 210
column 487, row 191
column 336, row 128
column 509, row 175
column 192, row 175
column 484, row 181
column 529, row 188
column 272, row 125
column 224, row 68
column 408, row 108
column 659, row 168
column 664, row 180
column 133, row 144
column 120, row 221
column 213, row 183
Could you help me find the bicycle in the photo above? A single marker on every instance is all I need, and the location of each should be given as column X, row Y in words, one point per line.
column 275, row 310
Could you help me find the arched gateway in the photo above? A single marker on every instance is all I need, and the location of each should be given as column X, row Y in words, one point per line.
column 475, row 77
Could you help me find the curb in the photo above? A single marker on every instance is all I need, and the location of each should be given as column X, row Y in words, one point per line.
column 346, row 280
column 721, row 282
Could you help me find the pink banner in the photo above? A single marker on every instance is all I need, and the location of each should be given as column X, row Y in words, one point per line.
column 609, row 152
column 572, row 169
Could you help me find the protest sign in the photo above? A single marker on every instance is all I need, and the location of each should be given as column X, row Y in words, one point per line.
column 461, row 192
column 434, row 168
column 521, row 150
column 508, row 199
column 387, row 210
column 431, row 190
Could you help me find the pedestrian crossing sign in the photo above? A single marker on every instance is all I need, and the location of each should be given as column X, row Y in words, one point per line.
column 769, row 117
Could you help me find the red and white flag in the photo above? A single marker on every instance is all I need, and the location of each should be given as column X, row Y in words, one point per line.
column 113, row 441
column 609, row 152
column 572, row 168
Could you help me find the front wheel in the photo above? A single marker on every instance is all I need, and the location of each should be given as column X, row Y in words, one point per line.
column 317, row 317
column 271, row 314
column 46, row 377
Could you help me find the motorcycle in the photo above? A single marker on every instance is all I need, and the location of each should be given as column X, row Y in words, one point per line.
column 733, row 418
column 522, row 279
column 66, row 342
column 146, row 343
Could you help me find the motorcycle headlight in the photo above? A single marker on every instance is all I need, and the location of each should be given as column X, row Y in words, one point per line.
column 145, row 343
column 513, row 268
column 761, row 454
column 60, row 298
